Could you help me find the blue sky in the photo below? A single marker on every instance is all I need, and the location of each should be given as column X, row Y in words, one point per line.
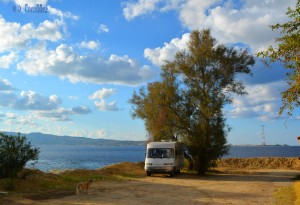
column 72, row 70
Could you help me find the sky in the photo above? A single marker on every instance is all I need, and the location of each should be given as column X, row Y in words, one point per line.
column 70, row 67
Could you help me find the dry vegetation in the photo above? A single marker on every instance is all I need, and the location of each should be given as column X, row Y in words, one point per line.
column 260, row 163
column 61, row 180
column 297, row 190
column 60, row 184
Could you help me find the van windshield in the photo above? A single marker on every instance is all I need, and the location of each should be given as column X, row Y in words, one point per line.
column 160, row 153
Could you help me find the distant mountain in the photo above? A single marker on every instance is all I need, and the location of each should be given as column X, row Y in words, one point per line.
column 37, row 138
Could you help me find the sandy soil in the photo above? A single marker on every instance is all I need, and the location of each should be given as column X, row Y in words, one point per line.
column 234, row 187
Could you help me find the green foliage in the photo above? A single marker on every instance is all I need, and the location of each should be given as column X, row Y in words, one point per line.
column 15, row 152
column 157, row 107
column 186, row 105
column 287, row 53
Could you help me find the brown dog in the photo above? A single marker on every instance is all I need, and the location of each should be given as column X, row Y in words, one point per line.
column 84, row 186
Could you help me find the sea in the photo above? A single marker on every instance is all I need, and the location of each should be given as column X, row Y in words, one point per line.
column 62, row 157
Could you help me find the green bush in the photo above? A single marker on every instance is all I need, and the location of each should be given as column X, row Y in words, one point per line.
column 15, row 152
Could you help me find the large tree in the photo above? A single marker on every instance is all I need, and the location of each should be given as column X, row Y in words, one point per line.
column 186, row 105
column 288, row 53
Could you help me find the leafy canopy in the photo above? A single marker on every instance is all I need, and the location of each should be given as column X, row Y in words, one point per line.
column 186, row 105
column 15, row 152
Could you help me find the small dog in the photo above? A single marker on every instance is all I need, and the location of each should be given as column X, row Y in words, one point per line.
column 84, row 186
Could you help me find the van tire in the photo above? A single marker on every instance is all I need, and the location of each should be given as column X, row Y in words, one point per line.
column 148, row 174
column 172, row 174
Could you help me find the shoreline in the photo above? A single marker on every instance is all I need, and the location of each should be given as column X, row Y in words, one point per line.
column 232, row 163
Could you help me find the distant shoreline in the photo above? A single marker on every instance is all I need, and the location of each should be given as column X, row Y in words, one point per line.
column 292, row 163
column 37, row 138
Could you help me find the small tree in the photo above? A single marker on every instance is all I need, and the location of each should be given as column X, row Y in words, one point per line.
column 15, row 152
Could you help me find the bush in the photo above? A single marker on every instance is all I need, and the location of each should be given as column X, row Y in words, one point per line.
column 15, row 152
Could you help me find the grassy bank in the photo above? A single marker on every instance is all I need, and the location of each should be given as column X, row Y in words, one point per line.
column 35, row 181
column 59, row 179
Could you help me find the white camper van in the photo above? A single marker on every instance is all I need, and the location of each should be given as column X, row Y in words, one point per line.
column 164, row 157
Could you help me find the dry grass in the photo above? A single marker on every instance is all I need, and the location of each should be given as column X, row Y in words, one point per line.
column 260, row 163
column 67, row 180
column 285, row 195
column 297, row 190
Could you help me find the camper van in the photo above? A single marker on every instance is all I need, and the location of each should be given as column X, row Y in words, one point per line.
column 164, row 157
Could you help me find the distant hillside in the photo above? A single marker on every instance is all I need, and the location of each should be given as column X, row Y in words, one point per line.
column 37, row 138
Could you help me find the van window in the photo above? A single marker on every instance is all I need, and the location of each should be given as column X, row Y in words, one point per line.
column 160, row 153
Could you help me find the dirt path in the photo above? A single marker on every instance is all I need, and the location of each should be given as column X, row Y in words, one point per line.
column 251, row 187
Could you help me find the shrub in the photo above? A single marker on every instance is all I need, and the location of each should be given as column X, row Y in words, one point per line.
column 15, row 152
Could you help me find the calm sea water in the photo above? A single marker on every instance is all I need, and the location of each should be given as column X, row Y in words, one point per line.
column 94, row 157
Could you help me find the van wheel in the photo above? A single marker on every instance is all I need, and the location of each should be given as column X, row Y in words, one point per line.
column 171, row 173
column 148, row 174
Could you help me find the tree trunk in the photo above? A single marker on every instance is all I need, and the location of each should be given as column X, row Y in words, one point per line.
column 203, row 162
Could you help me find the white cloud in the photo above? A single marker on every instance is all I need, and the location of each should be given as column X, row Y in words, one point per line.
column 192, row 13
column 35, row 101
column 158, row 56
column 65, row 63
column 94, row 134
column 7, row 60
column 21, row 121
column 103, row 28
column 49, row 30
column 80, row 110
column 230, row 21
column 98, row 134
column 248, row 24
column 11, row 115
column 73, row 97
column 14, row 36
column 103, row 93
column 132, row 9
column 62, row 14
column 102, row 105
column 63, row 114
column 5, row 85
column 28, row 100
column 262, row 101
column 93, row 45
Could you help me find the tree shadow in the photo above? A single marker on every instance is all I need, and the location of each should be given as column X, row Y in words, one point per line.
column 270, row 176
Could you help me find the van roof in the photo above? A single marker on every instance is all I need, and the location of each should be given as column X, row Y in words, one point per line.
column 161, row 144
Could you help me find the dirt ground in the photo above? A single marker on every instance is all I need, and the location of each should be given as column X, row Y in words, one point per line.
column 234, row 187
